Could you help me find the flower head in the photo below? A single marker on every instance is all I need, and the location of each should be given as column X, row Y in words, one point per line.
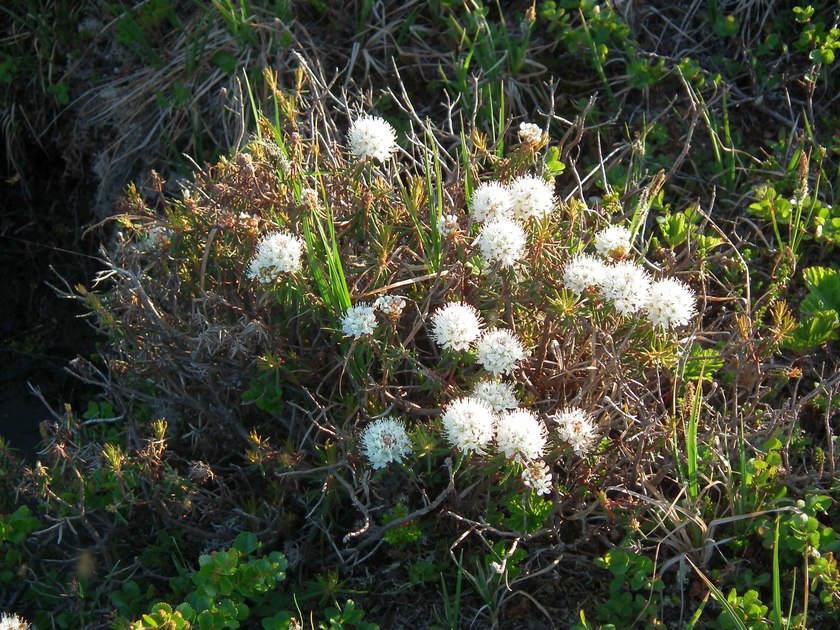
column 275, row 155
column 10, row 621
column 372, row 137
column 520, row 433
column 385, row 440
column 468, row 424
column 628, row 286
column 583, row 272
column 455, row 326
column 537, row 476
column 671, row 303
column 498, row 394
column 499, row 351
column 278, row 252
column 153, row 238
column 532, row 197
column 310, row 198
column 359, row 320
column 447, row 225
column 502, row 241
column 614, row 241
column 530, row 133
column 575, row 427
column 490, row 200
column 391, row 306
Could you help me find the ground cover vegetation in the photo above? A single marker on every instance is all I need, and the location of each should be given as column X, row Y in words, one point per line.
column 525, row 315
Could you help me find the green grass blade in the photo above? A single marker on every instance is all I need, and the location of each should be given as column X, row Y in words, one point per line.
column 469, row 184
column 691, row 440
column 691, row 623
column 324, row 256
column 720, row 598
column 777, row 588
column 315, row 264
column 730, row 147
column 742, row 465
column 434, row 190
column 338, row 281
column 254, row 109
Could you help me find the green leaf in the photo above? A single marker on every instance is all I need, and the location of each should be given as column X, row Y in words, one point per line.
column 803, row 14
column 225, row 585
column 61, row 92
column 206, row 620
column 824, row 286
column 815, row 330
column 553, row 165
column 822, row 55
column 726, row 25
column 225, row 62
column 246, row 542
column 674, row 228
column 702, row 362
column 280, row 621
column 770, row 205
column 186, row 611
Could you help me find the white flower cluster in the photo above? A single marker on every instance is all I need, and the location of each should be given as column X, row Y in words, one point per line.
column 372, row 138
column 584, row 272
column 471, row 425
column 498, row 394
column 384, row 441
column 468, row 423
column 520, row 434
column 391, row 306
column 10, row 621
column 278, row 252
column 359, row 320
column 525, row 197
column 532, row 197
column 499, row 351
column 502, row 241
column 614, row 241
column 530, row 133
column 448, row 225
column 575, row 427
column 309, row 198
column 486, row 420
column 671, row 303
column 455, row 326
column 153, row 239
column 667, row 302
column 537, row 476
column 491, row 200
column 628, row 287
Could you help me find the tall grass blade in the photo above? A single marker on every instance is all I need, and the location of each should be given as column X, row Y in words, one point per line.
column 720, row 598
column 325, row 262
column 434, row 190
column 777, row 588
column 691, row 439
column 691, row 623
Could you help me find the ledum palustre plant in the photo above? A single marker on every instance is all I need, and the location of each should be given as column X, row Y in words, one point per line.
column 492, row 339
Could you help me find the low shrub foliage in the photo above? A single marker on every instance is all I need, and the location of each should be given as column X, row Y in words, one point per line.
column 369, row 357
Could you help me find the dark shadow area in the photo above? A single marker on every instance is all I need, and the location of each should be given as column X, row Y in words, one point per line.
column 42, row 221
